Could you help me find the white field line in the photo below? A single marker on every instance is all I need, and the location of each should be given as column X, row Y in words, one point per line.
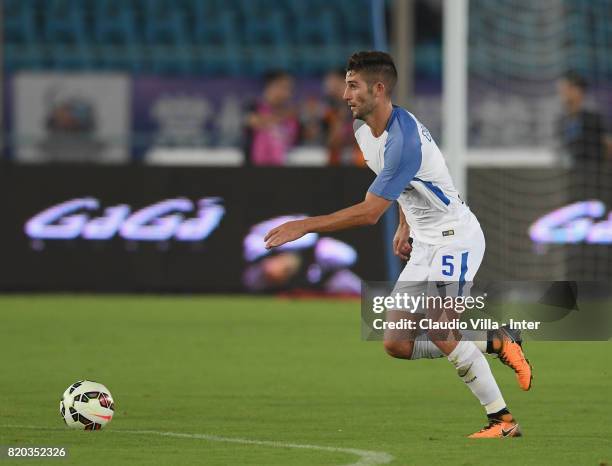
column 365, row 457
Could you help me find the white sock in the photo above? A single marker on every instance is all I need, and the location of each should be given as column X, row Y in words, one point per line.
column 479, row 337
column 473, row 368
column 424, row 348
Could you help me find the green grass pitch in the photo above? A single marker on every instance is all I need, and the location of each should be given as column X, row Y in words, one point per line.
column 283, row 372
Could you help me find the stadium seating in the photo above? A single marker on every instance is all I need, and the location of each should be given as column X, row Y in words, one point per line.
column 229, row 37
column 238, row 37
column 19, row 22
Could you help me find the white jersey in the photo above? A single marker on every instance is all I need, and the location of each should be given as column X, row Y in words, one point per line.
column 411, row 169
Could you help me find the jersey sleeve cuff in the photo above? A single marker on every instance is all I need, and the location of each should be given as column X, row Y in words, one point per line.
column 384, row 195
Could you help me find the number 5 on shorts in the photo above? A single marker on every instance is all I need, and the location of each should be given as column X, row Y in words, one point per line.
column 448, row 268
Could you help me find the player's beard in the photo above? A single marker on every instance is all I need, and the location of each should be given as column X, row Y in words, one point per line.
column 365, row 108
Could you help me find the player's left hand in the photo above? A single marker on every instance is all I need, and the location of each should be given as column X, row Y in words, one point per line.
column 285, row 233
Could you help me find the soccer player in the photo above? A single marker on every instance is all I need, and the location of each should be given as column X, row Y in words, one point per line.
column 448, row 243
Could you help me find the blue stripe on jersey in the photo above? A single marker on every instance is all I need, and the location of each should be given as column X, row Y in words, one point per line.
column 436, row 190
column 464, row 267
column 402, row 156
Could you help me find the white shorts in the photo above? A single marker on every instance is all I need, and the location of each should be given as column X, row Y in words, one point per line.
column 450, row 266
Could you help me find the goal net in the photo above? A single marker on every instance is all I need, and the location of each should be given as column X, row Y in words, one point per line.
column 539, row 110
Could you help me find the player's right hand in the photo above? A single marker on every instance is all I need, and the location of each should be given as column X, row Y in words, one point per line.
column 401, row 245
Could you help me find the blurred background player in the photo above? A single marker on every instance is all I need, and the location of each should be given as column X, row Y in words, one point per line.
column 582, row 134
column 448, row 244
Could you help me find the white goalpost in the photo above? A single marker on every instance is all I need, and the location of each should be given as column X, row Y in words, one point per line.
column 454, row 89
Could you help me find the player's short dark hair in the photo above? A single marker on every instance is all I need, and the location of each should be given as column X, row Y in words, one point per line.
column 375, row 66
column 275, row 75
column 575, row 79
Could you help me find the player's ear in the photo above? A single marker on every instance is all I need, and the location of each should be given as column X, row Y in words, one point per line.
column 379, row 89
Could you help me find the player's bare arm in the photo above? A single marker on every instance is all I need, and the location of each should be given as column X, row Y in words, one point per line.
column 367, row 212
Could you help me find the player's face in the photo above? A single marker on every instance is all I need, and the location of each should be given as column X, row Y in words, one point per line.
column 359, row 96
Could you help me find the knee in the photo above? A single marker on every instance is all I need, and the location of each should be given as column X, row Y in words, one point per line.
column 398, row 349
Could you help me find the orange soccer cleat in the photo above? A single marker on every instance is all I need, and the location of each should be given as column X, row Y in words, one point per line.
column 511, row 354
column 503, row 427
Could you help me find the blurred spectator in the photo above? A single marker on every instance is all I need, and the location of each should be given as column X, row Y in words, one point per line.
column 338, row 122
column 272, row 124
column 71, row 132
column 581, row 132
column 312, row 131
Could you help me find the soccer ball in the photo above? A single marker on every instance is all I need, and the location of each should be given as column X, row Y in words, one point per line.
column 87, row 405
